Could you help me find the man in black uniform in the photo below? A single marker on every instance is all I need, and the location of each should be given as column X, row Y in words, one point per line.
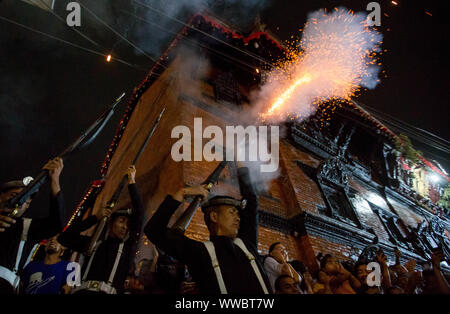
column 106, row 269
column 19, row 235
column 232, row 248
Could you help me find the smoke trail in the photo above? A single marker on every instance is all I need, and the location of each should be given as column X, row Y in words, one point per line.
column 239, row 13
column 338, row 56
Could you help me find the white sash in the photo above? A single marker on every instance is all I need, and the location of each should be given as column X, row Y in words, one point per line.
column 241, row 244
column 116, row 263
column 215, row 263
column 11, row 275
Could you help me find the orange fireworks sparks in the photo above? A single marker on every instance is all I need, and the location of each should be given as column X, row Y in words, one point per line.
column 108, row 58
column 335, row 57
column 288, row 93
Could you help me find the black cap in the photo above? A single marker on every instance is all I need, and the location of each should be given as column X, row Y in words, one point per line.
column 223, row 200
column 12, row 185
column 122, row 212
column 15, row 184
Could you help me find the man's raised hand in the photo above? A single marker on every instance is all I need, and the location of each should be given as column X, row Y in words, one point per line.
column 105, row 212
column 5, row 221
column 131, row 174
column 198, row 190
column 54, row 167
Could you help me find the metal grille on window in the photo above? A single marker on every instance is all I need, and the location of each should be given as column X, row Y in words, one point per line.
column 339, row 206
column 226, row 89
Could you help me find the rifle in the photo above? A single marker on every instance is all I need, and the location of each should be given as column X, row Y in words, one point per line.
column 115, row 197
column 183, row 222
column 80, row 143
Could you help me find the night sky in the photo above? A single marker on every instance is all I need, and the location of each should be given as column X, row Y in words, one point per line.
column 50, row 92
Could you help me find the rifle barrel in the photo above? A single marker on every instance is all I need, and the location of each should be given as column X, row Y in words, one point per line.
column 183, row 222
column 147, row 139
column 115, row 197
column 78, row 144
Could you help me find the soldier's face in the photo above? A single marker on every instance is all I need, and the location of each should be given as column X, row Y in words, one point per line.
column 119, row 227
column 228, row 221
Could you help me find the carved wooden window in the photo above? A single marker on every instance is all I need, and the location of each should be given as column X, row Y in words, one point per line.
column 389, row 222
column 274, row 222
column 321, row 209
column 332, row 180
column 339, row 205
column 226, row 88
column 430, row 241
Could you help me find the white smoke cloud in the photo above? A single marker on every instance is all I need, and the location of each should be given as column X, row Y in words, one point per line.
column 154, row 39
column 336, row 60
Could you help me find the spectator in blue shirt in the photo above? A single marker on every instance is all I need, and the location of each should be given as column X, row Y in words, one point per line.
column 50, row 276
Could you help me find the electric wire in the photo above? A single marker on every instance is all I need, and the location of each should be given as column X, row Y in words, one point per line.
column 445, row 142
column 68, row 42
column 72, row 28
column 196, row 43
column 403, row 128
column 120, row 35
column 206, row 34
column 399, row 124
column 64, row 22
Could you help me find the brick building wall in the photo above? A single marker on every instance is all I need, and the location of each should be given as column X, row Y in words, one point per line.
column 320, row 245
column 304, row 189
column 292, row 194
